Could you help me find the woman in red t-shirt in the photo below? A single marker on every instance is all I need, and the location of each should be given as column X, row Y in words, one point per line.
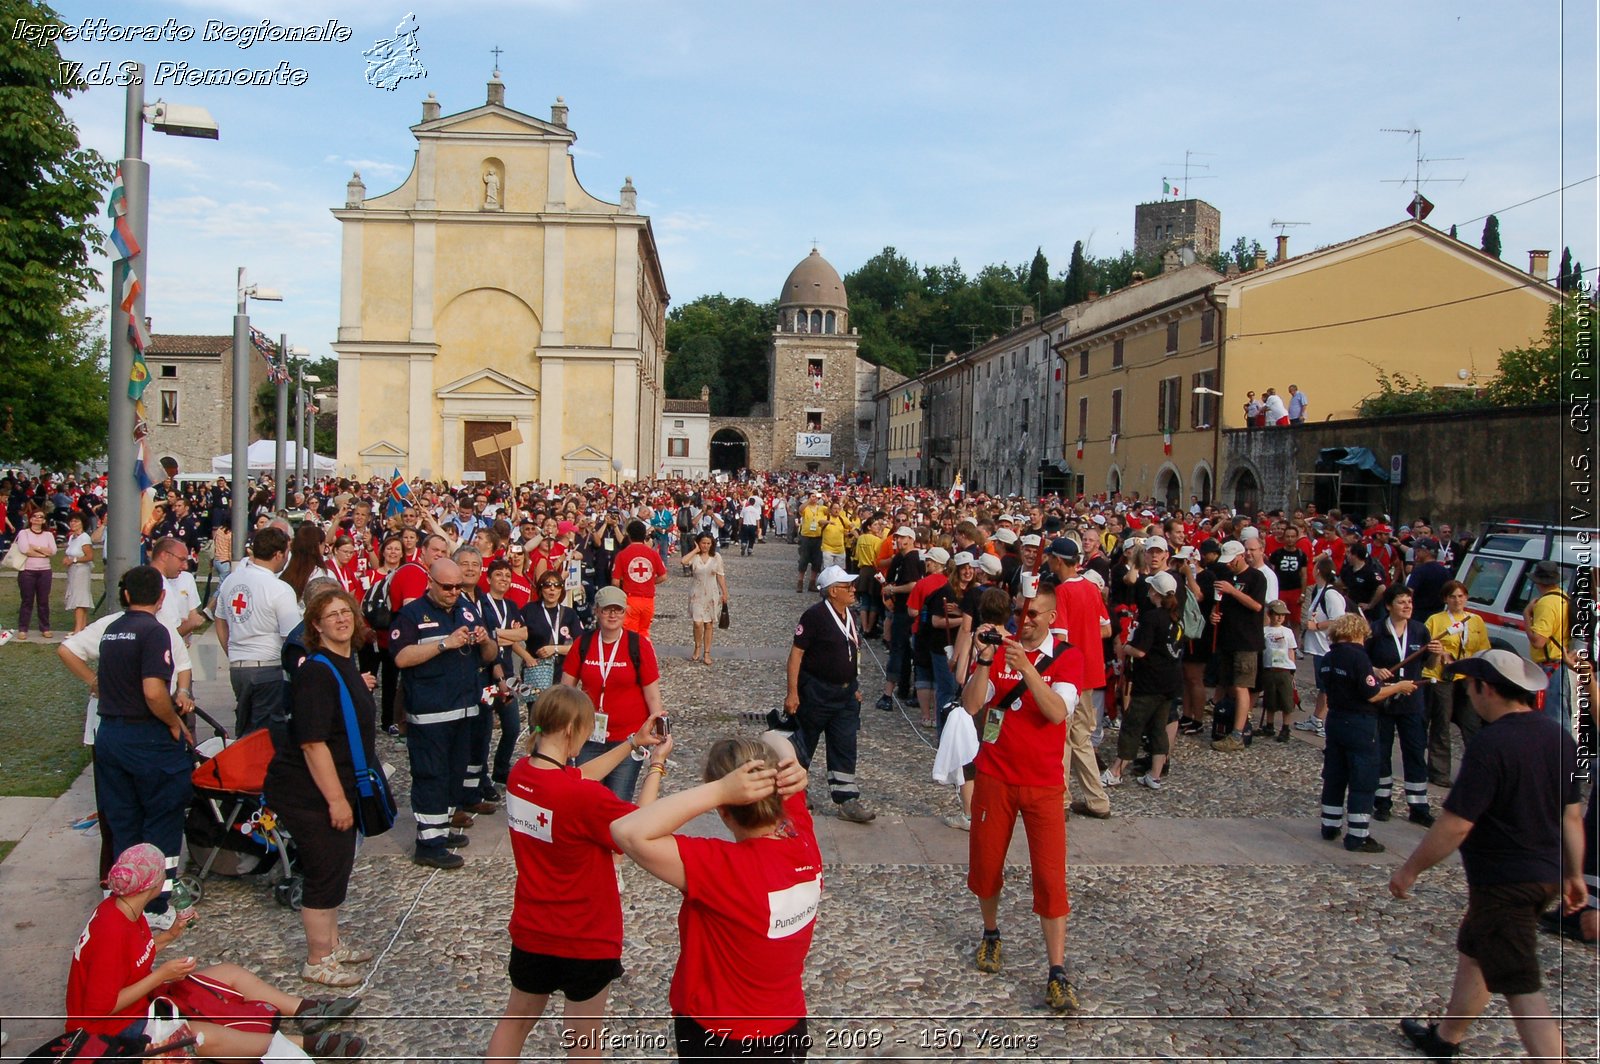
column 566, row 919
column 749, row 906
column 113, row 977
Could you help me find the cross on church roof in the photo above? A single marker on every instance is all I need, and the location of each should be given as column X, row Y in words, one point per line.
column 813, row 243
column 495, row 51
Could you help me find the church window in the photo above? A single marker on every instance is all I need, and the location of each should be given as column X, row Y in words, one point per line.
column 677, row 447
column 816, row 321
column 827, row 322
column 800, row 322
column 813, row 421
column 814, row 375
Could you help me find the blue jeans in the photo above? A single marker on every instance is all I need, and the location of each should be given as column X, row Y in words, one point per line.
column 620, row 781
column 142, row 788
column 898, row 670
column 510, row 731
column 1555, row 695
column 259, row 700
column 944, row 686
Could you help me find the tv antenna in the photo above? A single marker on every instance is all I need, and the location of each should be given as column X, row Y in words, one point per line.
column 972, row 334
column 1282, row 227
column 1014, row 308
column 1189, row 154
column 933, row 355
column 1416, row 180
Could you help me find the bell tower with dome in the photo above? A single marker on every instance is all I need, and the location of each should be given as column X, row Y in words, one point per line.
column 820, row 417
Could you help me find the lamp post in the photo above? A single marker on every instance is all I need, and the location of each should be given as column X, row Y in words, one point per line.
column 122, row 490
column 280, row 479
column 241, row 409
column 300, row 467
column 311, row 438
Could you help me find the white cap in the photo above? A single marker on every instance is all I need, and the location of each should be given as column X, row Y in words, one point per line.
column 1004, row 535
column 1188, row 551
column 1163, row 584
column 905, row 530
column 1009, row 519
column 964, row 557
column 1250, row 533
column 1157, row 543
column 1231, row 550
column 990, row 564
column 1030, row 540
column 833, row 574
column 1094, row 578
column 1098, row 519
column 937, row 555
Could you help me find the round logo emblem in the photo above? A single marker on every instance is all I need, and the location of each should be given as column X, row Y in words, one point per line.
column 639, row 571
column 240, row 604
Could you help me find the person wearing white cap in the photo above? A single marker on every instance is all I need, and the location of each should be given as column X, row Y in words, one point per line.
column 1241, row 595
column 824, row 689
column 1515, row 814
column 905, row 569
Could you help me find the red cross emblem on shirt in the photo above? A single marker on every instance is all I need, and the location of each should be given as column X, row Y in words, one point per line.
column 543, row 820
column 639, row 571
column 239, row 603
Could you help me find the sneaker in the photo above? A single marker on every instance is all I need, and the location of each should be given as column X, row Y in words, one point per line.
column 1266, row 731
column 1309, row 724
column 329, row 972
column 886, row 703
column 1230, row 744
column 1151, row 782
column 1365, row 845
column 393, row 729
column 1425, row 1036
column 1110, row 779
column 1059, row 992
column 1189, row 727
column 1421, row 814
column 1283, row 735
column 1320, row 728
column 351, row 954
column 1329, row 834
column 989, row 953
column 446, row 860
column 457, row 840
column 1382, row 811
column 855, row 812
column 318, row 1014
column 959, row 821
column 162, row 921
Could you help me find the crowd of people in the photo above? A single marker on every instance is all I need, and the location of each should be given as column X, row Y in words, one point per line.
column 1025, row 634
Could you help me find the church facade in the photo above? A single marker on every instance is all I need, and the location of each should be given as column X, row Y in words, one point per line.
column 490, row 296
column 822, row 413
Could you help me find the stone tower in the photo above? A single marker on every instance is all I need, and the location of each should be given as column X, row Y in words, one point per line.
column 1176, row 224
column 813, row 372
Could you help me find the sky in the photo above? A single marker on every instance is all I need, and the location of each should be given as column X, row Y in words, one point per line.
column 970, row 131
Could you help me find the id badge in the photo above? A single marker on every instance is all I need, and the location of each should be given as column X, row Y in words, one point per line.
column 610, row 544
column 991, row 727
column 602, row 726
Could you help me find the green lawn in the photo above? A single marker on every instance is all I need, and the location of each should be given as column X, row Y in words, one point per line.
column 5, row 848
column 41, row 704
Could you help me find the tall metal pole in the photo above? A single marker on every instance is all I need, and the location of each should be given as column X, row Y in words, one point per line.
column 279, row 480
column 311, row 442
column 122, row 491
column 241, row 423
column 300, row 428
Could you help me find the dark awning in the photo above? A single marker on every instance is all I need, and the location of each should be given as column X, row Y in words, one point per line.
column 1357, row 457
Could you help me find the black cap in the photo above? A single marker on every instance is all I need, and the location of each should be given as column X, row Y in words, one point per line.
column 1547, row 573
column 1064, row 549
column 1210, row 546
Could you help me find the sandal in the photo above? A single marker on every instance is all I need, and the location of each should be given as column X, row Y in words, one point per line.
column 318, row 1014
column 336, row 1044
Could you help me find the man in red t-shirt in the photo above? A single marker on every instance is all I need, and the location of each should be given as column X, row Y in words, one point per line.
column 1019, row 771
column 1081, row 610
column 637, row 571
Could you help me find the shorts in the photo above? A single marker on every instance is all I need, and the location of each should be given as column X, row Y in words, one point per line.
column 1501, row 932
column 1316, row 670
column 1238, row 668
column 577, row 978
column 811, row 553
column 995, row 807
column 325, row 855
column 1277, row 690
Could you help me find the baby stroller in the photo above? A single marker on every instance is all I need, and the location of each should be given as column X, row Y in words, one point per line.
column 229, row 828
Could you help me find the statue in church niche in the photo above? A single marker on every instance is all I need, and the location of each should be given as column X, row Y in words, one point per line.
column 491, row 189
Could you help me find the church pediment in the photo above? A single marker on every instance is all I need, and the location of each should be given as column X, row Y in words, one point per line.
column 486, row 382
column 382, row 449
column 585, row 453
column 496, row 120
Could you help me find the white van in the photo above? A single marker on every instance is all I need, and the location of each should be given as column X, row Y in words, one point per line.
column 1498, row 572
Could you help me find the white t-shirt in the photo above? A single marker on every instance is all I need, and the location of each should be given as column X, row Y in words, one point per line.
column 76, row 544
column 85, row 646
column 750, row 515
column 260, row 611
column 182, row 597
column 1272, row 583
column 1280, row 641
column 1321, row 606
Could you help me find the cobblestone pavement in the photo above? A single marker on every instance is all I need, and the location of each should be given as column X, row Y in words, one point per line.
column 1260, row 958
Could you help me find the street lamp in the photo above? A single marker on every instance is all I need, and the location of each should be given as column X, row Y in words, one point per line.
column 301, row 470
column 241, row 408
column 311, row 436
column 279, row 474
column 122, row 490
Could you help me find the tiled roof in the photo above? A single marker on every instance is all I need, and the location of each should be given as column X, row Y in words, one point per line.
column 175, row 344
column 686, row 406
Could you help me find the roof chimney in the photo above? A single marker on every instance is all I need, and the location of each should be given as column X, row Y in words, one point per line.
column 1232, row 269
column 1171, row 260
column 558, row 112
column 430, row 108
column 630, row 197
column 1283, row 246
column 1028, row 314
column 1261, row 258
column 354, row 190
column 497, row 90
column 1539, row 265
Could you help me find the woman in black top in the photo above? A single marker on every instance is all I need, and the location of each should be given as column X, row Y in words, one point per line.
column 311, row 782
column 552, row 631
column 1350, row 758
column 1397, row 639
column 1154, row 653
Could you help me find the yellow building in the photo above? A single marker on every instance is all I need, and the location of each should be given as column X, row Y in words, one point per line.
column 1405, row 299
column 491, row 293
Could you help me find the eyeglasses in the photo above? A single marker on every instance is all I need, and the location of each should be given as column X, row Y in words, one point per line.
column 550, row 587
column 449, row 587
column 1033, row 614
column 338, row 615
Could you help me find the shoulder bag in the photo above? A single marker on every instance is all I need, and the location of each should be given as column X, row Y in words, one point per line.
column 375, row 808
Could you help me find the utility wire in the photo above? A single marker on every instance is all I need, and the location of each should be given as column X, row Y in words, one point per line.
column 1525, row 202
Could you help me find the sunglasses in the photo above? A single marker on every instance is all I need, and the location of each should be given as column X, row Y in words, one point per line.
column 449, row 587
column 549, row 587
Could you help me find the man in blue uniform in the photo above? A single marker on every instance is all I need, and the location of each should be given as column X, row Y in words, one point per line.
column 439, row 644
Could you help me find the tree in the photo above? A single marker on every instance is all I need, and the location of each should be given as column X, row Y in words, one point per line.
column 1491, row 236
column 57, row 417
column 743, row 333
column 50, row 199
column 325, row 369
column 1541, row 371
column 1038, row 283
column 1242, row 254
column 1076, row 285
column 695, row 365
column 1564, row 279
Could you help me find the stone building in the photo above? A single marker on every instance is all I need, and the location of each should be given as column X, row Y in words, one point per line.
column 686, row 437
column 1177, row 223
column 822, row 411
column 1017, row 403
column 189, row 400
column 489, row 293
column 899, row 423
column 947, row 435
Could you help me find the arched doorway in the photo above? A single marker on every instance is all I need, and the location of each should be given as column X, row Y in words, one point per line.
column 730, row 451
column 1246, row 492
column 1202, row 483
column 1113, row 481
column 1169, row 489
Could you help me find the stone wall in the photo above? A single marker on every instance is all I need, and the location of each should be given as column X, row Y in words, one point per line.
column 1460, row 468
column 794, row 394
column 205, row 408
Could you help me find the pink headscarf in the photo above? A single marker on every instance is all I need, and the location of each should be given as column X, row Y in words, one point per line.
column 138, row 869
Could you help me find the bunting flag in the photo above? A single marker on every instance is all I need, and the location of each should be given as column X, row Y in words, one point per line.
column 1166, row 443
column 1114, row 443
column 141, row 458
column 399, row 495
column 957, row 489
column 277, row 373
column 1080, row 449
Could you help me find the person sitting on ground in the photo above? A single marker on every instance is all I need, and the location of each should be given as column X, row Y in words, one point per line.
column 237, row 1014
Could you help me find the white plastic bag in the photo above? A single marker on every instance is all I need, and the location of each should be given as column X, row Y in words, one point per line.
column 958, row 745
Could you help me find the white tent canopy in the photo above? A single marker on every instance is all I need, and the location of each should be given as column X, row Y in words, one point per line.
column 262, row 458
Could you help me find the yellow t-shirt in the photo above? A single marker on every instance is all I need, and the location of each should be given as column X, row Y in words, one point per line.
column 811, row 519
column 1549, row 618
column 1462, row 637
column 867, row 549
column 833, row 536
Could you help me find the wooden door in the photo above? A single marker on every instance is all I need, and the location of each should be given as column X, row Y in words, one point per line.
column 491, row 464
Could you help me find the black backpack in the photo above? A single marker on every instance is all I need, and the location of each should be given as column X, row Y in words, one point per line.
column 375, row 603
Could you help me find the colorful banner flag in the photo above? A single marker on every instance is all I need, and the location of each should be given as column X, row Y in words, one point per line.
column 1166, row 443
column 1080, row 449
column 399, row 495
